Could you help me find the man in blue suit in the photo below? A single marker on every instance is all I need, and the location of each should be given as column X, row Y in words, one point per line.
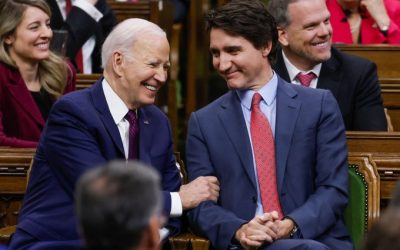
column 91, row 127
column 308, row 139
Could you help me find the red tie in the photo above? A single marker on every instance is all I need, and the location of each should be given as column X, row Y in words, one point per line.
column 305, row 79
column 78, row 57
column 264, row 153
column 133, row 134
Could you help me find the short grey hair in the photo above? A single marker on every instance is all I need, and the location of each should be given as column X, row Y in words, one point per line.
column 124, row 36
column 115, row 202
column 279, row 10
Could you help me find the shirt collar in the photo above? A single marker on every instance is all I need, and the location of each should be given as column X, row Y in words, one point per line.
column 293, row 71
column 117, row 107
column 268, row 93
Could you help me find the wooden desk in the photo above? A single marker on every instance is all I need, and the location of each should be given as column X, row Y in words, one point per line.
column 384, row 148
column 385, row 56
column 390, row 88
column 14, row 165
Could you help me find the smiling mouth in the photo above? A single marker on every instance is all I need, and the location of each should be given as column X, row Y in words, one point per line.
column 321, row 44
column 150, row 87
column 43, row 45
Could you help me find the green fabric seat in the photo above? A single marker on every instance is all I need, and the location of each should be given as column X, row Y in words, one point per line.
column 356, row 213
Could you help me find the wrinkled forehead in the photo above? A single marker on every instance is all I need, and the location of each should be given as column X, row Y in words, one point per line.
column 151, row 46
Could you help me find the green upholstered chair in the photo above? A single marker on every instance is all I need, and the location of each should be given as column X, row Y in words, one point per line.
column 364, row 196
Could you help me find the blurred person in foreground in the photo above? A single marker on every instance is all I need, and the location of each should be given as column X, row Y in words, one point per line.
column 113, row 119
column 278, row 149
column 31, row 76
column 384, row 233
column 118, row 207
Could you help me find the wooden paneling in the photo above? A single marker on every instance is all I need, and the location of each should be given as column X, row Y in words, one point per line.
column 14, row 164
column 384, row 149
column 385, row 56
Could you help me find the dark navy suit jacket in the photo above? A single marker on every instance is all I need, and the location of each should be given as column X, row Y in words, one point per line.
column 80, row 134
column 311, row 157
column 354, row 83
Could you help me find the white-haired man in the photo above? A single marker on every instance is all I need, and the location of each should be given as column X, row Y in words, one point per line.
column 114, row 119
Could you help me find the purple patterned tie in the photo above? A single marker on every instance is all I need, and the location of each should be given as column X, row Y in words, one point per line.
column 133, row 134
column 305, row 79
column 264, row 153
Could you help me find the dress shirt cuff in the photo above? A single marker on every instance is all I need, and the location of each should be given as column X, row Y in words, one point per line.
column 176, row 205
column 90, row 9
column 164, row 232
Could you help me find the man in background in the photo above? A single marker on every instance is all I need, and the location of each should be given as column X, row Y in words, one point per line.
column 307, row 58
column 88, row 22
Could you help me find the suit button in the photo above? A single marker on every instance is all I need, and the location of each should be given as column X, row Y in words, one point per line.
column 254, row 199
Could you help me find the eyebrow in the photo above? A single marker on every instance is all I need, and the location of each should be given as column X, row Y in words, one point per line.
column 227, row 48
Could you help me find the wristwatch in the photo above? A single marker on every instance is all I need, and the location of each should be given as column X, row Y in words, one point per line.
column 294, row 230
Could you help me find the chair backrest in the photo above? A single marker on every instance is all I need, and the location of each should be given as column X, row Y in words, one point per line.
column 364, row 195
column 181, row 167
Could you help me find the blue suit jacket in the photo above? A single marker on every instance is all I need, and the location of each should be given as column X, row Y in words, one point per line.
column 80, row 134
column 311, row 158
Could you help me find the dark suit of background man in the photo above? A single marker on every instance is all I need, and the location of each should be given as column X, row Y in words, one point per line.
column 352, row 80
column 93, row 126
column 309, row 140
column 88, row 23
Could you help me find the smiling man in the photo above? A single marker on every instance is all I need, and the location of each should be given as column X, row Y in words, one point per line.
column 277, row 149
column 113, row 119
column 305, row 35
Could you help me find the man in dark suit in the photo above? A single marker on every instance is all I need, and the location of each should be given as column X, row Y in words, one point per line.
column 352, row 80
column 88, row 23
column 286, row 192
column 93, row 126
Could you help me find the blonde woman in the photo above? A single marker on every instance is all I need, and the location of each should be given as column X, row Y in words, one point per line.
column 31, row 76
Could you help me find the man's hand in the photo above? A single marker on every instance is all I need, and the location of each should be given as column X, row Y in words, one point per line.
column 201, row 189
column 285, row 227
column 259, row 230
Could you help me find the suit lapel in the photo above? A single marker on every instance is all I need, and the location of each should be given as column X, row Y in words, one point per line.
column 232, row 119
column 287, row 111
column 24, row 98
column 330, row 76
column 100, row 103
column 280, row 67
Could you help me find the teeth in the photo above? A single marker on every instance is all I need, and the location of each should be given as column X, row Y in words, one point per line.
column 321, row 44
column 149, row 87
column 43, row 45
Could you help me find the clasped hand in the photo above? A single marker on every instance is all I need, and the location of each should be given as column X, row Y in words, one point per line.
column 263, row 229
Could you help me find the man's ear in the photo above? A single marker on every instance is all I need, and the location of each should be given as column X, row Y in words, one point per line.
column 117, row 62
column 282, row 36
column 151, row 237
column 267, row 49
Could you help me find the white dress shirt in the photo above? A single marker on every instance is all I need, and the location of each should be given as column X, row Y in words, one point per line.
column 268, row 107
column 118, row 110
column 88, row 46
column 293, row 72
